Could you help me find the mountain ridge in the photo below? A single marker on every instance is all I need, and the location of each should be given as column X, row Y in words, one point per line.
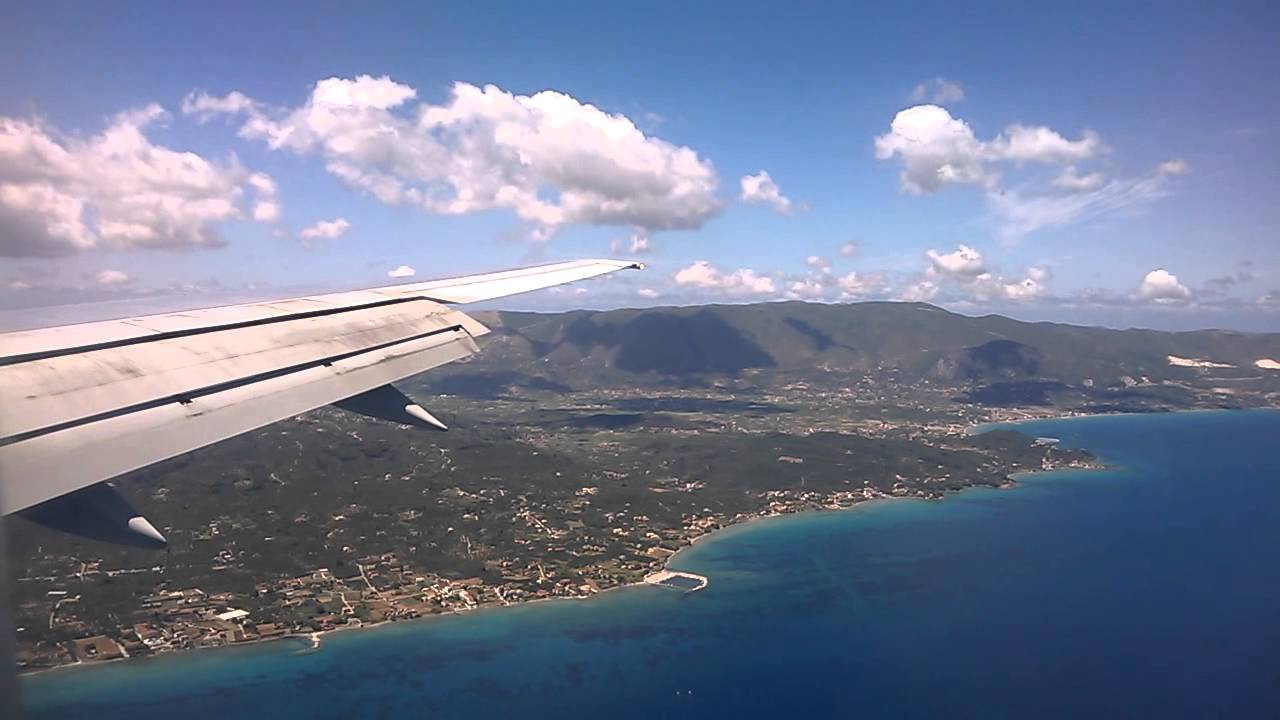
column 915, row 341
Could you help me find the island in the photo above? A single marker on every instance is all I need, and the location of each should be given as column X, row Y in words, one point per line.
column 585, row 450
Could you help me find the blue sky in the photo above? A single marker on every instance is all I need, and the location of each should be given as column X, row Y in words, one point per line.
column 1098, row 164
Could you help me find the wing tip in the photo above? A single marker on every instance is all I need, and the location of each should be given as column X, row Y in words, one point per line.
column 620, row 264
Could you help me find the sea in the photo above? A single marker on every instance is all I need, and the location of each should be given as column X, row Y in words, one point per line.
column 1147, row 590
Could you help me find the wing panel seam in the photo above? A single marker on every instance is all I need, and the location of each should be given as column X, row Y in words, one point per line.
column 189, row 332
column 187, row 396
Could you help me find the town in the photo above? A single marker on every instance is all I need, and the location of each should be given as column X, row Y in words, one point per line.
column 599, row 508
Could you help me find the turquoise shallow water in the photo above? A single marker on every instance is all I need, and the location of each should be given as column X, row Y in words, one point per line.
column 1150, row 590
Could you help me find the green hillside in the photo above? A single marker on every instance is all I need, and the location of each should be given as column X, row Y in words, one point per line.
column 913, row 341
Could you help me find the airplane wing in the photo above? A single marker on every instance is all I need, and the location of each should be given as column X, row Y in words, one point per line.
column 81, row 404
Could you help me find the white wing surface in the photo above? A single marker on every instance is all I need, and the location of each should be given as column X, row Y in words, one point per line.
column 80, row 404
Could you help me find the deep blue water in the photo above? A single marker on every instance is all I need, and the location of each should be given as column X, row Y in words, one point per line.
column 1152, row 590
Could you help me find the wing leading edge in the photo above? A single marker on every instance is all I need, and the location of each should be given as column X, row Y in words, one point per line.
column 81, row 404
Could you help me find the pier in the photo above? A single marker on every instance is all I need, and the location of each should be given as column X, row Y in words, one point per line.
column 677, row 580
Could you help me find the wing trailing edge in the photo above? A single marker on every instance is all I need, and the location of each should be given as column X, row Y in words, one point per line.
column 81, row 404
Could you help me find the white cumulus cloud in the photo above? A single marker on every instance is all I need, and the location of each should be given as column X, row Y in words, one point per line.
column 205, row 107
column 637, row 244
column 921, row 291
column 1034, row 285
column 964, row 274
column 267, row 208
column 1069, row 179
column 936, row 149
column 1160, row 285
column 856, row 285
column 548, row 157
column 849, row 249
column 963, row 261
column 809, row 288
column 111, row 277
column 819, row 283
column 743, row 281
column 1037, row 143
column 326, row 229
column 263, row 184
column 266, row 211
column 61, row 195
column 760, row 189
column 402, row 271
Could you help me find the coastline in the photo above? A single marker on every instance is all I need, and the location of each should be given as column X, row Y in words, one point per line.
column 907, row 591
column 315, row 639
column 979, row 428
column 82, row 665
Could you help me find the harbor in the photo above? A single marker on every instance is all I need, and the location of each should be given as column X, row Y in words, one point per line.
column 677, row 580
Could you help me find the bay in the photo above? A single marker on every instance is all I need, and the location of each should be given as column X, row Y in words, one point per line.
column 1149, row 589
